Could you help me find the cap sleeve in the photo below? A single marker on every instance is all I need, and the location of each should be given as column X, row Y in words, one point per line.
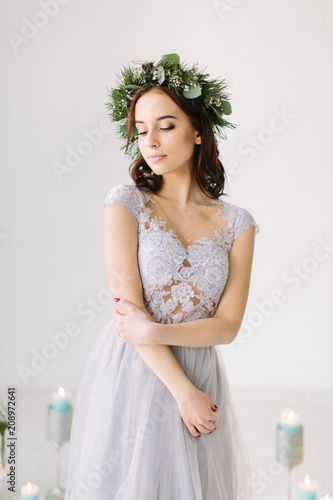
column 125, row 195
column 244, row 221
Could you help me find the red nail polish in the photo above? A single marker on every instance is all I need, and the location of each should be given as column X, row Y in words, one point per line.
column 210, row 432
column 116, row 300
column 198, row 436
column 216, row 406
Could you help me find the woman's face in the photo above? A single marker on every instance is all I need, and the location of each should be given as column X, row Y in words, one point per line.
column 166, row 136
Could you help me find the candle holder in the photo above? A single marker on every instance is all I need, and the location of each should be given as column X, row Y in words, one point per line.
column 58, row 431
column 290, row 448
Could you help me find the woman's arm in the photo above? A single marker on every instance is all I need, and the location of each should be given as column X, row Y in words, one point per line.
column 221, row 329
column 224, row 326
column 121, row 243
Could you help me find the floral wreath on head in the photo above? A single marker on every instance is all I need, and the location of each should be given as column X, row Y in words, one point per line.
column 168, row 72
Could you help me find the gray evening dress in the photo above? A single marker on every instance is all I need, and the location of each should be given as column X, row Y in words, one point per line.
column 128, row 440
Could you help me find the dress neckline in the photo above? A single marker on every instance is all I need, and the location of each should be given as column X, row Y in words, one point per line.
column 218, row 233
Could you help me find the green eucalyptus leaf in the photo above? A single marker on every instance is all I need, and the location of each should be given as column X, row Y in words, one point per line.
column 193, row 92
column 132, row 87
column 218, row 112
column 226, row 106
column 134, row 131
column 161, row 75
column 123, row 130
column 170, row 58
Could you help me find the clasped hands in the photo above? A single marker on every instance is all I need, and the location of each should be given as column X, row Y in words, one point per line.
column 137, row 327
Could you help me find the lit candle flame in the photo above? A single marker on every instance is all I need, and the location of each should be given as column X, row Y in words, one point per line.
column 291, row 415
column 61, row 391
column 29, row 487
column 307, row 479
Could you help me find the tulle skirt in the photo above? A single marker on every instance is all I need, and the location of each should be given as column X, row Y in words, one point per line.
column 129, row 442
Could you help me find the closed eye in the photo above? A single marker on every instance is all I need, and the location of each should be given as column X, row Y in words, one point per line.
column 165, row 128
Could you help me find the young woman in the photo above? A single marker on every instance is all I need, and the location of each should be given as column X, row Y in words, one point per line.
column 154, row 419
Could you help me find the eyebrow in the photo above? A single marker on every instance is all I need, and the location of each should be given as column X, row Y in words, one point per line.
column 159, row 118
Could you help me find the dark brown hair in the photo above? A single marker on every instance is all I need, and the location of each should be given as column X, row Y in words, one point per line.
column 207, row 169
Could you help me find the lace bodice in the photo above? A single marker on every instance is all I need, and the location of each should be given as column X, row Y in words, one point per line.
column 181, row 281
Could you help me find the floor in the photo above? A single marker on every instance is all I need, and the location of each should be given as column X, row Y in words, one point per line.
column 258, row 414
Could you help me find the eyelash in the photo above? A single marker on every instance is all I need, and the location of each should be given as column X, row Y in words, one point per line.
column 166, row 128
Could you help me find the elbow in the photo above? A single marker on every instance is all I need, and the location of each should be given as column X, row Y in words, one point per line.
column 230, row 328
column 234, row 329
column 230, row 337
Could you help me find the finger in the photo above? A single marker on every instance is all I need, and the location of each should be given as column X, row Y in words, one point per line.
column 193, row 430
column 211, row 426
column 206, row 429
column 215, row 414
column 117, row 314
column 126, row 303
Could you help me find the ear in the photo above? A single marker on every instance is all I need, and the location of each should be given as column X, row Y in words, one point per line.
column 197, row 138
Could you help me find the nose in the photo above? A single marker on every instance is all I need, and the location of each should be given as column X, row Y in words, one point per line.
column 152, row 139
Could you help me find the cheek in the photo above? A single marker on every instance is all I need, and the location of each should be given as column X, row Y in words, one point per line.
column 189, row 138
column 141, row 147
column 184, row 142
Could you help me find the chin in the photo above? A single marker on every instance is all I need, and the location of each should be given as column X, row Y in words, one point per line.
column 159, row 170
column 163, row 171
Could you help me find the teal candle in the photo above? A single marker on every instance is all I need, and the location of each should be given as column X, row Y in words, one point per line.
column 60, row 400
column 307, row 495
column 289, row 421
column 29, row 492
column 307, row 489
column 289, row 427
column 289, row 439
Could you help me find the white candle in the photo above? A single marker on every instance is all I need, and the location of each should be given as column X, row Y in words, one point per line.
column 326, row 497
column 29, row 492
column 60, row 400
column 307, row 489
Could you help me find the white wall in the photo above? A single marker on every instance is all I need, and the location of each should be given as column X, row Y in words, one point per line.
column 277, row 59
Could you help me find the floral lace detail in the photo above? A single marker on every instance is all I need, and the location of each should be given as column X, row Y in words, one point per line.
column 125, row 195
column 180, row 283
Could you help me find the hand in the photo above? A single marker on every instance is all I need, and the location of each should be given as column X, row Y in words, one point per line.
column 197, row 411
column 136, row 327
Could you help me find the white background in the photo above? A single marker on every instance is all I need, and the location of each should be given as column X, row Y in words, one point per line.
column 277, row 60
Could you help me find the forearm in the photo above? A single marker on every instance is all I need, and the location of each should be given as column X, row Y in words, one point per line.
column 163, row 363
column 161, row 360
column 198, row 333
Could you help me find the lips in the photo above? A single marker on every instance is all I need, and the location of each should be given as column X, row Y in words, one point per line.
column 155, row 158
